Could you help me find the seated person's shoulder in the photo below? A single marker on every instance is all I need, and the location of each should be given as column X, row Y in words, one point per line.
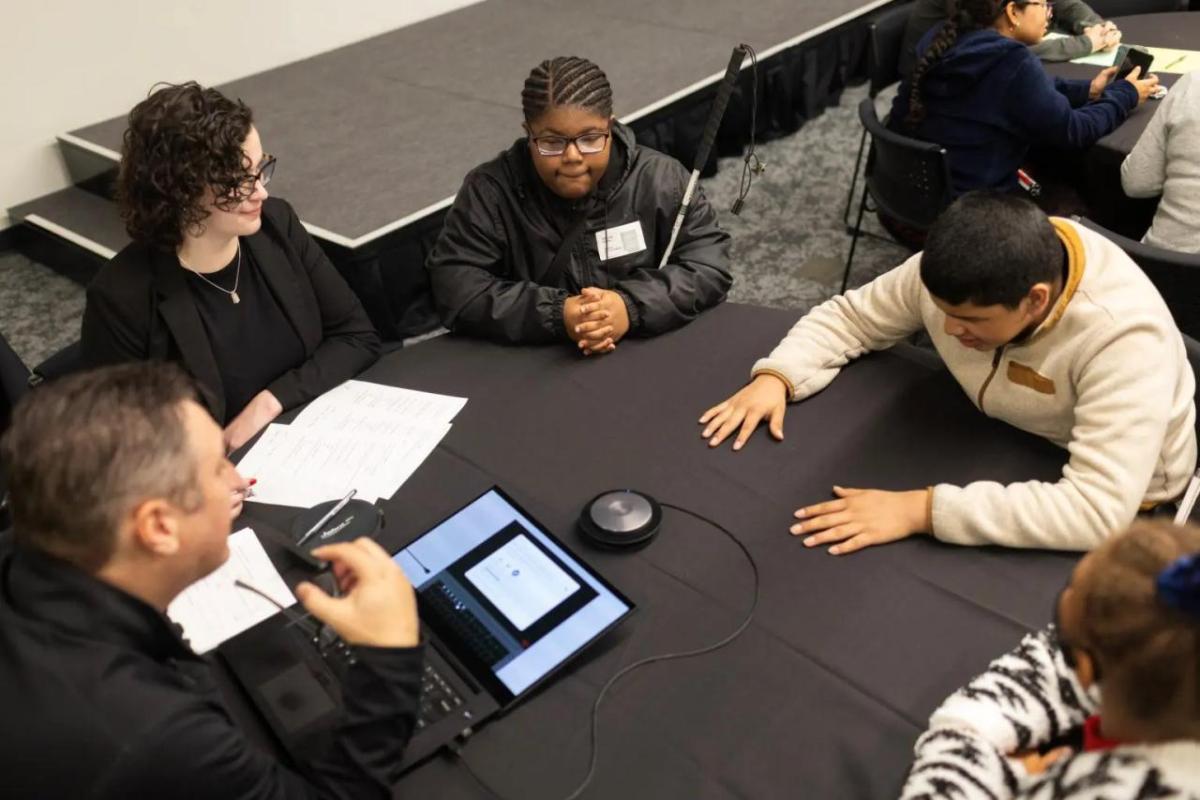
column 127, row 276
column 281, row 214
column 662, row 166
column 74, row 702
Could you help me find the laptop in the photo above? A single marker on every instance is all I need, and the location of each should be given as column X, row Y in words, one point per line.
column 503, row 604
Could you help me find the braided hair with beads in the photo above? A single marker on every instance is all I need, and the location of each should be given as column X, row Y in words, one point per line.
column 566, row 81
column 965, row 16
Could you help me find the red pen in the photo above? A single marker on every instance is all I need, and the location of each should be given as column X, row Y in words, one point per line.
column 1028, row 183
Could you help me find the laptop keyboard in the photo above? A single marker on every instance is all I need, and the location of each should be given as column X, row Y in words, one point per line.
column 463, row 625
column 437, row 698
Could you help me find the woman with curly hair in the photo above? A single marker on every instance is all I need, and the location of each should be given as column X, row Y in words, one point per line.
column 220, row 278
column 979, row 91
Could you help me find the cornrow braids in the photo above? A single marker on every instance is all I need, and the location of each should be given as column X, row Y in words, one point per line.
column 1151, row 652
column 964, row 16
column 566, row 81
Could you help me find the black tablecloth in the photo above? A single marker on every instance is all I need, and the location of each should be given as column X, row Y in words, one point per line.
column 825, row 693
column 1101, row 186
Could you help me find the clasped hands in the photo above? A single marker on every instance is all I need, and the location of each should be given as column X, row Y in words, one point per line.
column 857, row 518
column 1103, row 36
column 596, row 319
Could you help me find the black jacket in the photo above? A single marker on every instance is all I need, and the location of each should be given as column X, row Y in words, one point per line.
column 139, row 307
column 489, row 266
column 102, row 699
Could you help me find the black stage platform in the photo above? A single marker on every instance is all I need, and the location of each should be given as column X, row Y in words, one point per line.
column 374, row 138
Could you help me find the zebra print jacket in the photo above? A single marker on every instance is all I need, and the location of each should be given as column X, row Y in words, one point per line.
column 1028, row 698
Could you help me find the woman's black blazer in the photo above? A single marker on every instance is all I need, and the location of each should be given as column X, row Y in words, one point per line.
column 139, row 307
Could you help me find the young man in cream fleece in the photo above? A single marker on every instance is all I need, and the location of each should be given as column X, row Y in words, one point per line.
column 1046, row 326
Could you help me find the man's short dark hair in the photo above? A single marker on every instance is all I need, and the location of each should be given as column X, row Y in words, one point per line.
column 990, row 248
column 85, row 449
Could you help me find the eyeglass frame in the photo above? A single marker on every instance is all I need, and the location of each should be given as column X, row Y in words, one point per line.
column 1047, row 4
column 266, row 171
column 572, row 140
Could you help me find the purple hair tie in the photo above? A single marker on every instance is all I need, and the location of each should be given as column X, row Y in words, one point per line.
column 1179, row 585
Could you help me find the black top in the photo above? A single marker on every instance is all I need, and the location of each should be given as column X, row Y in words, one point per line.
column 252, row 340
column 139, row 307
column 490, row 268
column 101, row 698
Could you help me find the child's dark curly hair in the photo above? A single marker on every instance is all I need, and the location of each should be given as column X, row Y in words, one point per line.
column 181, row 141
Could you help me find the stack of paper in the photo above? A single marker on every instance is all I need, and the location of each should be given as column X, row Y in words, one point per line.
column 213, row 609
column 359, row 435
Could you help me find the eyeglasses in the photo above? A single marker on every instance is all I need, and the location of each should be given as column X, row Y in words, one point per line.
column 587, row 144
column 1049, row 6
column 266, row 170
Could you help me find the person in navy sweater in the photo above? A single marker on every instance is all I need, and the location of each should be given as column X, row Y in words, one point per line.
column 979, row 91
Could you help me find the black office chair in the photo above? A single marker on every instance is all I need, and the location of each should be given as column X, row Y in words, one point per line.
column 14, row 381
column 908, row 179
column 1125, row 8
column 1176, row 275
column 885, row 37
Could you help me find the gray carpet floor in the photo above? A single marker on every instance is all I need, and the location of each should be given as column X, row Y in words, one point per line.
column 789, row 243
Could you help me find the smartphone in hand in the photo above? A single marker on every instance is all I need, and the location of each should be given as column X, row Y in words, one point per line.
column 1129, row 57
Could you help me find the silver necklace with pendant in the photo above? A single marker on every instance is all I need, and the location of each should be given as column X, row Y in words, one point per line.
column 237, row 276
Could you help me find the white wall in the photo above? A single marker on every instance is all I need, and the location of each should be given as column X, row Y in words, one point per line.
column 64, row 65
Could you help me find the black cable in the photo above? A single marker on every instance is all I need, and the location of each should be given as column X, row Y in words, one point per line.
column 594, row 753
column 751, row 165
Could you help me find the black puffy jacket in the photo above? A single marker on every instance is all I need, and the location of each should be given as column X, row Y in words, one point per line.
column 489, row 266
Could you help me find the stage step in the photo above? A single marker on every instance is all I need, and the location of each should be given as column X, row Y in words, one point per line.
column 77, row 216
column 73, row 230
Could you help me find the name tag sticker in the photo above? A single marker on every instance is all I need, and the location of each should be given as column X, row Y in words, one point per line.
column 620, row 241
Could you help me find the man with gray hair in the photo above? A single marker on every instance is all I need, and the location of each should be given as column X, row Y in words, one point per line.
column 120, row 489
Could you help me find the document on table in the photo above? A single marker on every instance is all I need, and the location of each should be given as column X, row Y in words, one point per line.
column 1104, row 58
column 358, row 435
column 302, row 466
column 1166, row 59
column 361, row 401
column 213, row 610
column 1177, row 61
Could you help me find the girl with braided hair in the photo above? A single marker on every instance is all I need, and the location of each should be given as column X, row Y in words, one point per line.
column 1105, row 703
column 979, row 91
column 559, row 237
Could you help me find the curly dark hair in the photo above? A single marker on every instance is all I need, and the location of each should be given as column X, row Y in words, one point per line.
column 181, row 140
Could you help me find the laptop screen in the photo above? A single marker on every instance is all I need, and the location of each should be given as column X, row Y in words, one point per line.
column 509, row 600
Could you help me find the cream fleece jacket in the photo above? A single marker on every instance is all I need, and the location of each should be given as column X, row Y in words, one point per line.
column 1104, row 376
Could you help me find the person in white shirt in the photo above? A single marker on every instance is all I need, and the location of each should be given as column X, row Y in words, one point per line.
column 1166, row 161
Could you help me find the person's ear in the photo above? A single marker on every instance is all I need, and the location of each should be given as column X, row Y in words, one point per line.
column 1085, row 667
column 156, row 527
column 1012, row 13
column 1039, row 298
